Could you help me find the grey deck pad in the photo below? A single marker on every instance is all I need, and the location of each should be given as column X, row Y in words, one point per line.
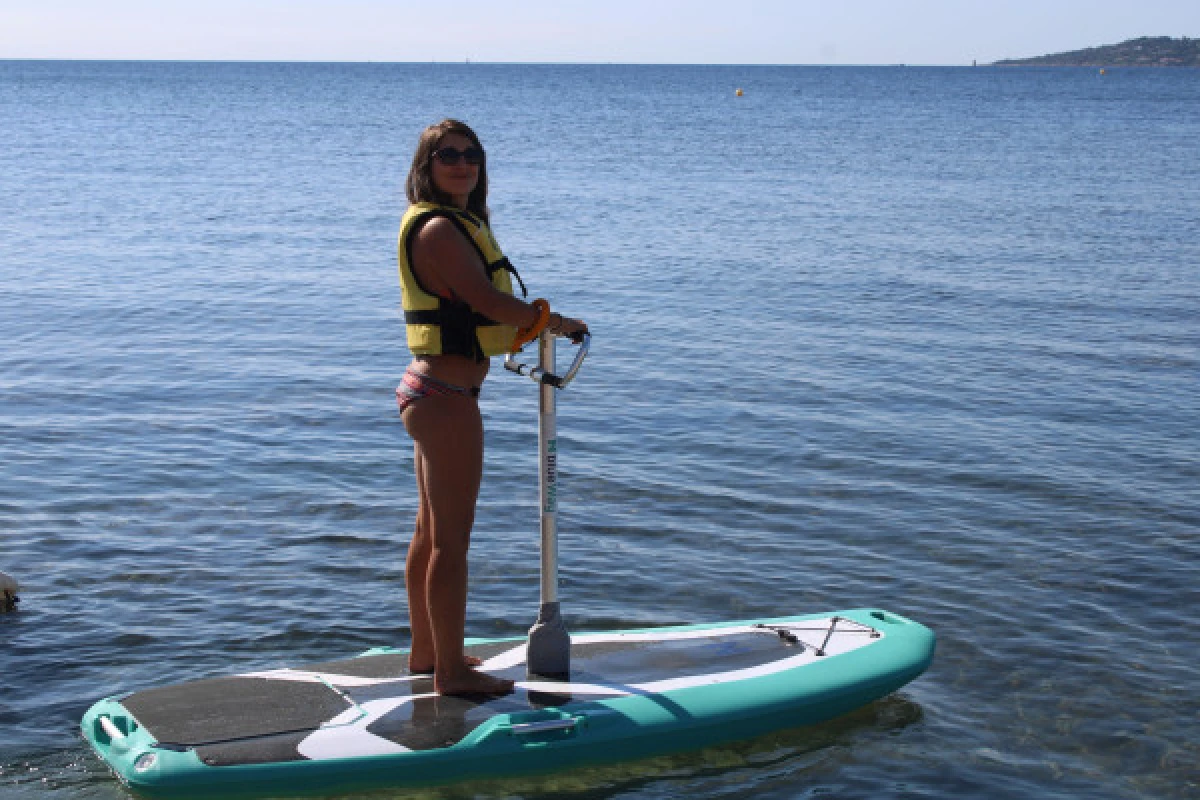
column 371, row 704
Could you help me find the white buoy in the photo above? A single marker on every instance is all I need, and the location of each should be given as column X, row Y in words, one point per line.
column 8, row 593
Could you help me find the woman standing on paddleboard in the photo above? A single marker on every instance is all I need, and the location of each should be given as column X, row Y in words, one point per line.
column 459, row 310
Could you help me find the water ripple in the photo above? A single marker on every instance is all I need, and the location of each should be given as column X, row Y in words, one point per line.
column 948, row 369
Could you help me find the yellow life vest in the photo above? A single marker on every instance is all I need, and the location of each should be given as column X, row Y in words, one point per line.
column 448, row 326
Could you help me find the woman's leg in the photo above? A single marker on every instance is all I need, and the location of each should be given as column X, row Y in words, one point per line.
column 416, row 573
column 448, row 432
column 416, row 570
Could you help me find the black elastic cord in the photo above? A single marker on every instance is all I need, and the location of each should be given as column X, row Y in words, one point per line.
column 781, row 630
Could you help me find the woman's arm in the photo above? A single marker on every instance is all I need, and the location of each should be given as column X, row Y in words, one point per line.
column 447, row 263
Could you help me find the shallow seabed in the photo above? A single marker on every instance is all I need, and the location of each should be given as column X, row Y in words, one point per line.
column 921, row 339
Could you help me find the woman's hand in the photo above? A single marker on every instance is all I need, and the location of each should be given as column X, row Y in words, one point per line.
column 573, row 329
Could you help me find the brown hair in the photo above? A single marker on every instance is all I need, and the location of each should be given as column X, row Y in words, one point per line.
column 420, row 188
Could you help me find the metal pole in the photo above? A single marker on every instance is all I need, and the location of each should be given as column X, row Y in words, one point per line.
column 548, row 481
column 548, row 653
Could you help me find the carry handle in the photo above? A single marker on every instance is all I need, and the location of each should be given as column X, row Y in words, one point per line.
column 540, row 375
column 114, row 733
column 543, row 726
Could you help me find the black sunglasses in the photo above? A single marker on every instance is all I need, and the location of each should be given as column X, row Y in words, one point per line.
column 450, row 156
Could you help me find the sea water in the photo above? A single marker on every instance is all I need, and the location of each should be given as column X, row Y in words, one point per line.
column 921, row 339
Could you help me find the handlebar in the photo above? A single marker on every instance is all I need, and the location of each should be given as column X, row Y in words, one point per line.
column 540, row 376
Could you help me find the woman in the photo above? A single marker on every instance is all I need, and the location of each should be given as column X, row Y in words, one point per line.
column 459, row 310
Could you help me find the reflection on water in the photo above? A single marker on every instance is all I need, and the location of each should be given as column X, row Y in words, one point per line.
column 770, row 763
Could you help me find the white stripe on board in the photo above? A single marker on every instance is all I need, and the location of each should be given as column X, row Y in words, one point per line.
column 346, row 735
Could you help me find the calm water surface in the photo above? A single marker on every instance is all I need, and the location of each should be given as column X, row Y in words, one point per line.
column 923, row 339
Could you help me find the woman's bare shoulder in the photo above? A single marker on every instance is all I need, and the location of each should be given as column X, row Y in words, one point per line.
column 440, row 236
column 437, row 229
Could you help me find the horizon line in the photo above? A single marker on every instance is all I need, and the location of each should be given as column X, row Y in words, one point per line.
column 472, row 62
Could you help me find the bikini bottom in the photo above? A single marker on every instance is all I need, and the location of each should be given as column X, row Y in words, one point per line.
column 416, row 385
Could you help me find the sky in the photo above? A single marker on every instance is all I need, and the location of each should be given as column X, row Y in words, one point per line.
column 621, row 31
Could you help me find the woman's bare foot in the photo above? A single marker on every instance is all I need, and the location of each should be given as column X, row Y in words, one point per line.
column 469, row 661
column 470, row 681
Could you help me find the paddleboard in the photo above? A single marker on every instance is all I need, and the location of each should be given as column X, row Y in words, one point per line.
column 366, row 723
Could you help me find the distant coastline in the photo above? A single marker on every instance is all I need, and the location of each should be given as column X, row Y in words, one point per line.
column 1147, row 51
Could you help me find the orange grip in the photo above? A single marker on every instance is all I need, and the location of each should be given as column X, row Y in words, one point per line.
column 526, row 335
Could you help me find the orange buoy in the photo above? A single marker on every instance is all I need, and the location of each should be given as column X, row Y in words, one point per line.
column 738, row 92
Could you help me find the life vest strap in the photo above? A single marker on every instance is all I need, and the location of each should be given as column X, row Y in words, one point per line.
column 434, row 316
column 505, row 264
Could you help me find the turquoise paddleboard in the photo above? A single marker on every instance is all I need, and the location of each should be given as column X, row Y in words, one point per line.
column 365, row 722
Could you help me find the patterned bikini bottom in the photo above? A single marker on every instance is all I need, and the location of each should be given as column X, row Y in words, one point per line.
column 416, row 385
